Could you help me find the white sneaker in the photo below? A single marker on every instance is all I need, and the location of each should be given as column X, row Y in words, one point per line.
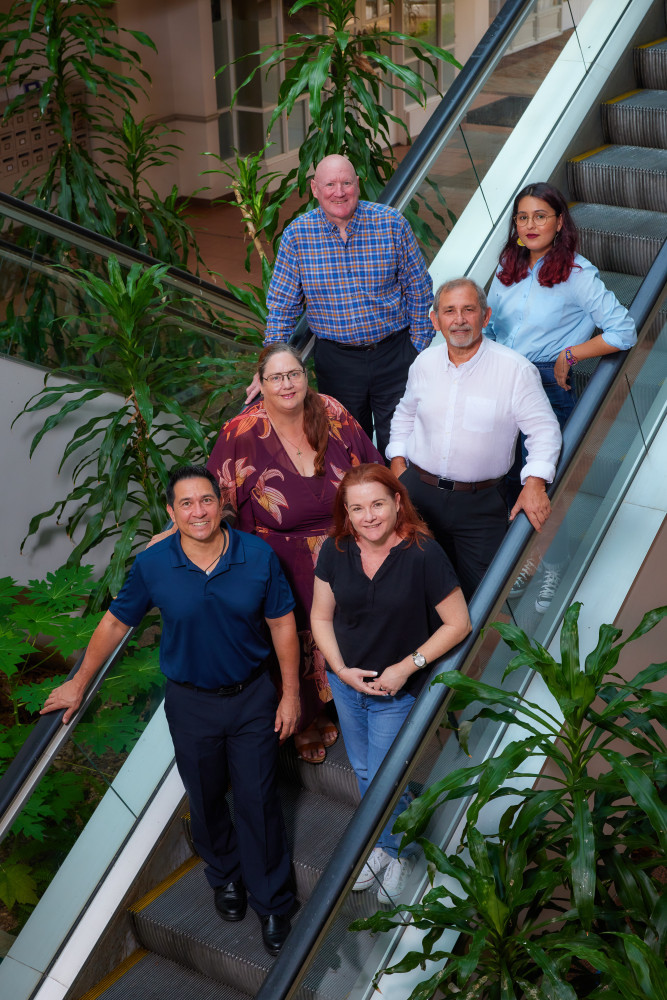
column 550, row 582
column 377, row 860
column 528, row 571
column 394, row 879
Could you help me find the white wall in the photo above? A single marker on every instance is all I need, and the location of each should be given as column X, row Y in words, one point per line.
column 28, row 487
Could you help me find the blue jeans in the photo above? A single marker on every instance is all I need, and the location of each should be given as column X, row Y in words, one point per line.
column 369, row 724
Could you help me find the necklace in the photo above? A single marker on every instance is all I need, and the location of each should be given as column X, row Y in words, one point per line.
column 209, row 568
column 283, row 437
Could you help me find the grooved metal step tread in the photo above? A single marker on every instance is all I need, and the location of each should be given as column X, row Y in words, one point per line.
column 629, row 176
column 182, row 924
column 637, row 119
column 650, row 62
column 334, row 778
column 152, row 977
column 619, row 239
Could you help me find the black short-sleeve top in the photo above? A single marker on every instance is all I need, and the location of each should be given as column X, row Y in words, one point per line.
column 380, row 621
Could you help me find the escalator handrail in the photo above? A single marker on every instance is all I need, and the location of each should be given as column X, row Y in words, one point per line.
column 319, row 911
column 455, row 102
column 22, row 211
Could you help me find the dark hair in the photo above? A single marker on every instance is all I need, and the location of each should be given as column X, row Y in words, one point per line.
column 409, row 524
column 449, row 286
column 558, row 262
column 315, row 420
column 190, row 472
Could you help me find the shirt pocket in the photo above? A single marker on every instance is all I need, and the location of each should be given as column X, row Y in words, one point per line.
column 479, row 414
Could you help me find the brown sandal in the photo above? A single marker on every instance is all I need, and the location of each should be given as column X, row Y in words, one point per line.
column 309, row 740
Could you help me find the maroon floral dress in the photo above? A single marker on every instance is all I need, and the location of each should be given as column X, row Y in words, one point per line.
column 293, row 513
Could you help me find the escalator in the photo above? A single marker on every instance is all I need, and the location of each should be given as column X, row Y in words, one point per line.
column 173, row 942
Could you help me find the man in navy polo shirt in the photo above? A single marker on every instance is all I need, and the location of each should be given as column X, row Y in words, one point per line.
column 216, row 591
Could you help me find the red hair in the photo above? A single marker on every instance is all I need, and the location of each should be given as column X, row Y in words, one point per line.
column 315, row 419
column 557, row 264
column 409, row 524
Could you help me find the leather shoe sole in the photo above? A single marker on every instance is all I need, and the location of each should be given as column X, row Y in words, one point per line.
column 231, row 901
column 275, row 929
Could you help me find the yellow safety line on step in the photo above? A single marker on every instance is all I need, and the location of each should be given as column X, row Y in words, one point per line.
column 162, row 886
column 648, row 45
column 622, row 97
column 591, row 152
column 114, row 976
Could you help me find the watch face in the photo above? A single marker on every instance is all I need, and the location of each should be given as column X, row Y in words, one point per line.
column 420, row 659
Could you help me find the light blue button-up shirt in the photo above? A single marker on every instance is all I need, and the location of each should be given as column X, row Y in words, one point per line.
column 540, row 322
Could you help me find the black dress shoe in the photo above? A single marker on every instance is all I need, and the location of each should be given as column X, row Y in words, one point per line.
column 231, row 901
column 275, row 929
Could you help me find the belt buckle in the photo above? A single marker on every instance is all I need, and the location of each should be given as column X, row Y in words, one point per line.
column 445, row 484
column 230, row 691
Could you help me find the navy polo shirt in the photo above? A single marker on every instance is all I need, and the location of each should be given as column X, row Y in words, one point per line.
column 213, row 628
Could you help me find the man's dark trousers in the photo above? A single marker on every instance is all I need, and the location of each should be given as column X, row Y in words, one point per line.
column 469, row 526
column 217, row 736
column 368, row 382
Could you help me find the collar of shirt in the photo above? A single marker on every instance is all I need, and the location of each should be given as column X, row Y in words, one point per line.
column 233, row 555
column 353, row 225
column 468, row 367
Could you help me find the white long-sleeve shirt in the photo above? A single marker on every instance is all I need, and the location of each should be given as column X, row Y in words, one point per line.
column 462, row 422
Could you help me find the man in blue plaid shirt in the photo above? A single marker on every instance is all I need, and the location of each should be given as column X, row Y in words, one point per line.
column 358, row 271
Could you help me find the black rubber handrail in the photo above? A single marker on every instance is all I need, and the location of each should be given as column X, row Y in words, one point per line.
column 455, row 103
column 23, row 212
column 376, row 806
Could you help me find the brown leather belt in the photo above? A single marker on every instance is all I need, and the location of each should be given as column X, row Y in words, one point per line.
column 450, row 484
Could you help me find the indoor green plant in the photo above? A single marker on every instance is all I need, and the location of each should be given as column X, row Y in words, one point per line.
column 41, row 630
column 124, row 455
column 561, row 897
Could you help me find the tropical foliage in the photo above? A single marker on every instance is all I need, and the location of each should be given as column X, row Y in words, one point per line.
column 563, row 899
column 166, row 410
column 41, row 629
column 345, row 75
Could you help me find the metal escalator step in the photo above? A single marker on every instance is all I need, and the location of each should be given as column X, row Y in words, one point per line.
column 637, row 119
column 629, row 176
column 624, row 286
column 152, row 977
column 334, row 778
column 619, row 239
column 650, row 63
column 181, row 922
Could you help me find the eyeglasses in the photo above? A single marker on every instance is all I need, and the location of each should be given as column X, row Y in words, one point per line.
column 538, row 218
column 294, row 376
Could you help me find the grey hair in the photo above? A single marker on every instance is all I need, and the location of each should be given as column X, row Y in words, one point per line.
column 449, row 286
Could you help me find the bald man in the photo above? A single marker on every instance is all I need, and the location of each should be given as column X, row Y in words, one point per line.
column 356, row 268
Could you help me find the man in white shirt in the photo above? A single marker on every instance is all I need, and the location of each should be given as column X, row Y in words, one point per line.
column 454, row 433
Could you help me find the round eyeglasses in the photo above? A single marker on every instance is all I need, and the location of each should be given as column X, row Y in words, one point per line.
column 537, row 218
column 294, row 376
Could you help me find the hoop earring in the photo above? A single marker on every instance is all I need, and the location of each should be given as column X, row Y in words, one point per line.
column 556, row 238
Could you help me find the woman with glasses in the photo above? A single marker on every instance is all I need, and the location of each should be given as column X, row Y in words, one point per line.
column 279, row 464
column 546, row 300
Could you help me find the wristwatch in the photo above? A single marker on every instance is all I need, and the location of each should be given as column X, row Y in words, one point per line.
column 419, row 659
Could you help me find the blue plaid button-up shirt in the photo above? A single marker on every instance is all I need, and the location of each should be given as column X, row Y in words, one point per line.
column 355, row 292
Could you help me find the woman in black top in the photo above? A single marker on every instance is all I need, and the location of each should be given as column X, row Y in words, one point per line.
column 386, row 604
